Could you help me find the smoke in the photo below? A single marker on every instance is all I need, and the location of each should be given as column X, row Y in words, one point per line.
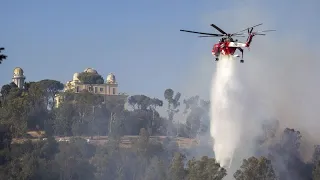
column 277, row 81
column 271, row 84
column 287, row 84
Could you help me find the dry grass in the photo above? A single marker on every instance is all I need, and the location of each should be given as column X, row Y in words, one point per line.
column 126, row 141
column 36, row 134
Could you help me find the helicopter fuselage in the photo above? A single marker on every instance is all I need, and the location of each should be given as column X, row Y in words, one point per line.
column 227, row 47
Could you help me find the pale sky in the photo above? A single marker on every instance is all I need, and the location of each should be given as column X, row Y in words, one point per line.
column 139, row 41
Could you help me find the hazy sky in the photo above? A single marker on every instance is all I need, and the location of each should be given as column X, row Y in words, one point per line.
column 139, row 41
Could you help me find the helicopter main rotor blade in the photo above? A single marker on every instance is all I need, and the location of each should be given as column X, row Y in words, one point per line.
column 267, row 30
column 217, row 28
column 207, row 36
column 216, row 35
column 260, row 32
column 248, row 28
column 236, row 34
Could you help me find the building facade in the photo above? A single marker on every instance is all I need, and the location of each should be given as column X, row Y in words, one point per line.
column 108, row 88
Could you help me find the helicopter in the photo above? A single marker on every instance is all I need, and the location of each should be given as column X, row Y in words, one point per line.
column 227, row 45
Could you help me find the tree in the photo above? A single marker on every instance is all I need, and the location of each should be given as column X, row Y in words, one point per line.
column 197, row 111
column 80, row 110
column 156, row 170
column 144, row 107
column 173, row 104
column 255, row 168
column 316, row 171
column 291, row 140
column 316, row 163
column 2, row 56
column 23, row 109
column 31, row 160
column 90, row 78
column 5, row 144
column 38, row 113
column 269, row 129
column 63, row 119
column 316, row 154
column 116, row 113
column 141, row 102
column 5, row 90
column 205, row 169
column 177, row 171
column 73, row 160
column 15, row 112
column 143, row 141
column 144, row 148
column 155, row 102
column 133, row 101
column 191, row 103
column 286, row 156
column 51, row 88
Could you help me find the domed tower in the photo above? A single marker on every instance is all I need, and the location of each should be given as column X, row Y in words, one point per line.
column 90, row 70
column 18, row 77
column 75, row 77
column 111, row 79
column 112, row 84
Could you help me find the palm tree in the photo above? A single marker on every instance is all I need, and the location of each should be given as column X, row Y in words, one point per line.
column 173, row 103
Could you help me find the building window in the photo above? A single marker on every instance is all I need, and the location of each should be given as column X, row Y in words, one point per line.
column 101, row 89
column 114, row 90
column 95, row 89
column 90, row 89
column 77, row 89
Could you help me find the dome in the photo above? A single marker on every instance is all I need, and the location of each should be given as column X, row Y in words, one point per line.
column 91, row 70
column 18, row 71
column 76, row 77
column 111, row 78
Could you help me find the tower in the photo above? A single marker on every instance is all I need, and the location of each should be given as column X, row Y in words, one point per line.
column 18, row 77
column 112, row 84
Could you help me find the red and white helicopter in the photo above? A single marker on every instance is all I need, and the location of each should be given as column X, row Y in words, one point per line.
column 228, row 46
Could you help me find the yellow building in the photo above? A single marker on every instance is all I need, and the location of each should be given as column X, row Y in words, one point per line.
column 108, row 88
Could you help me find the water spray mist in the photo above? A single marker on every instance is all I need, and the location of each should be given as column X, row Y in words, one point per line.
column 224, row 111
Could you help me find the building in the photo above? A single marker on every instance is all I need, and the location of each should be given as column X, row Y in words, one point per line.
column 110, row 87
column 107, row 88
column 18, row 77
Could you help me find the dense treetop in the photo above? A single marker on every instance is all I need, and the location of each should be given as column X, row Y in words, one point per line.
column 90, row 78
